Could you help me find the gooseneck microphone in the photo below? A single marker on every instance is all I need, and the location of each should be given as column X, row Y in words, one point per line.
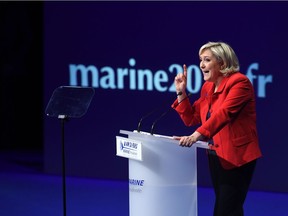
column 144, row 117
column 149, row 114
column 165, row 113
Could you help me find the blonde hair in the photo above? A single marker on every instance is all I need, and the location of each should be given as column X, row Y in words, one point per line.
column 224, row 54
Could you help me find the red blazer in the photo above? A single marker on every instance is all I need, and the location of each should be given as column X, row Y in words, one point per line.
column 232, row 123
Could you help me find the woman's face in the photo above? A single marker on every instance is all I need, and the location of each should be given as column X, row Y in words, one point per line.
column 210, row 66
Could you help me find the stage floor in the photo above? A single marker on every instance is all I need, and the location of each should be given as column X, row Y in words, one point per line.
column 25, row 191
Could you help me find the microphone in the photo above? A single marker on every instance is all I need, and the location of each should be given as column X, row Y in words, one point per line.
column 144, row 117
column 165, row 113
column 149, row 114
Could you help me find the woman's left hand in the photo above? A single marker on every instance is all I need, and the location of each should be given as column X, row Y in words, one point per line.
column 188, row 141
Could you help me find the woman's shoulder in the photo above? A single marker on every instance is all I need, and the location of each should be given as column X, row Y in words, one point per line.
column 238, row 77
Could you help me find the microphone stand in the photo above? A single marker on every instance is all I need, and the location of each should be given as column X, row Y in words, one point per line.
column 154, row 123
column 165, row 113
column 144, row 117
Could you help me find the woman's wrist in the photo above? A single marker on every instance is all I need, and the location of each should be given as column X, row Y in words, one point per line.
column 181, row 97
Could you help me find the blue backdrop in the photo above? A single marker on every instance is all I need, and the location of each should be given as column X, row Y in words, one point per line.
column 129, row 52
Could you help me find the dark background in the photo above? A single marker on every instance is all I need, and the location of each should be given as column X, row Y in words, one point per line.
column 39, row 41
column 21, row 69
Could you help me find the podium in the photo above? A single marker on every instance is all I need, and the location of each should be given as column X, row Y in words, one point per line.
column 162, row 174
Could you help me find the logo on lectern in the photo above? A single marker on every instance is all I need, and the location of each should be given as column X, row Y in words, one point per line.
column 136, row 185
column 129, row 148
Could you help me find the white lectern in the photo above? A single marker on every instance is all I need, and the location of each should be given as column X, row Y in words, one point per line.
column 163, row 178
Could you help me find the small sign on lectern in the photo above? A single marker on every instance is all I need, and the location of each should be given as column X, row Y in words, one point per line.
column 128, row 148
